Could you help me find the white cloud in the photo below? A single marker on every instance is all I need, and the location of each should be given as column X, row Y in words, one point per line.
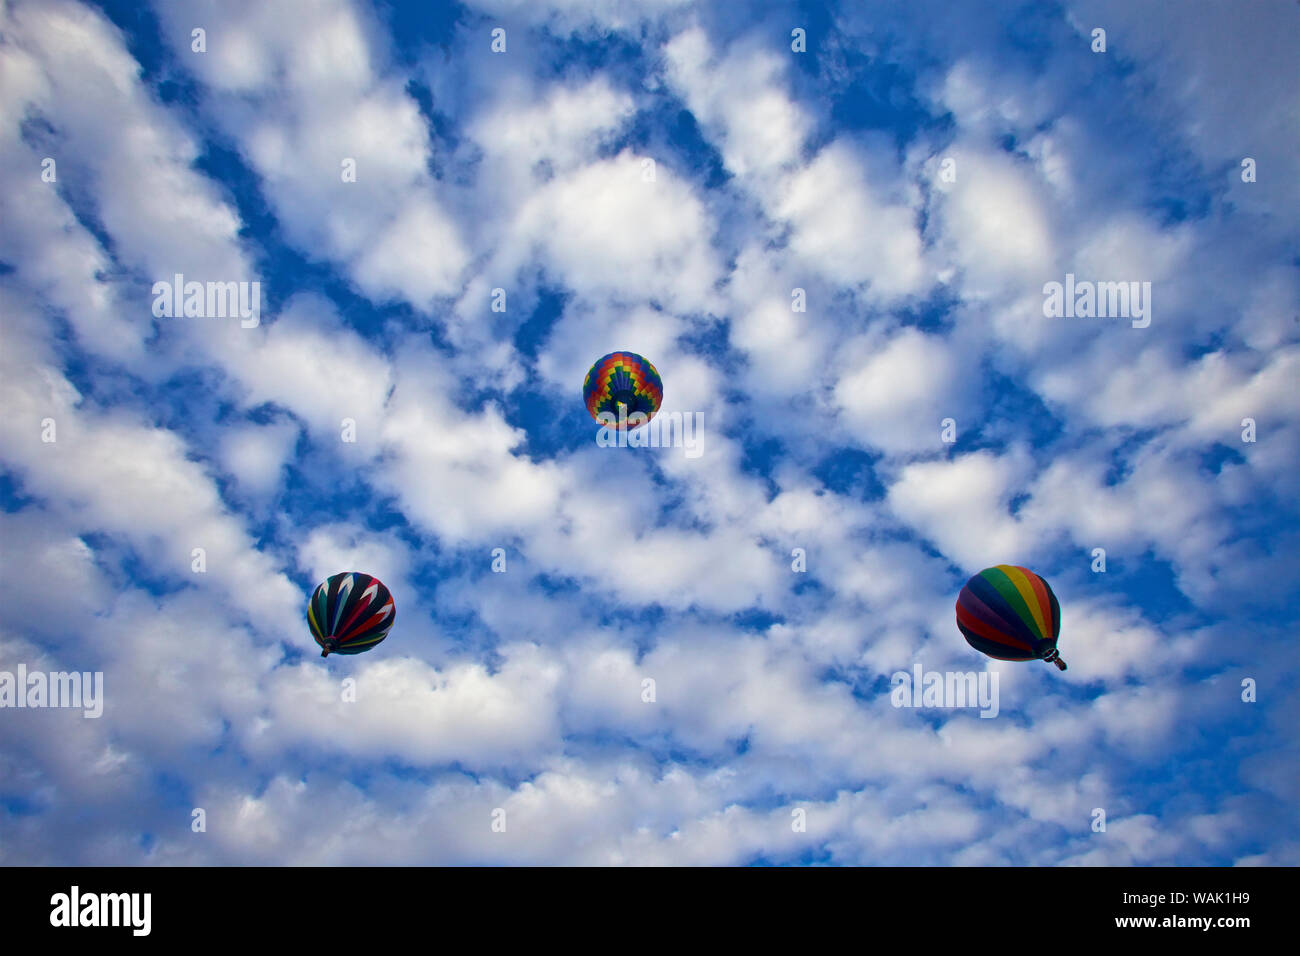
column 312, row 107
column 962, row 505
column 850, row 232
column 894, row 395
column 623, row 563
column 612, row 234
column 256, row 455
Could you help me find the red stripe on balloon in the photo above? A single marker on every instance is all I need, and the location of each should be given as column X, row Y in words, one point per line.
column 1044, row 602
column 971, row 622
column 975, row 605
column 373, row 620
column 347, row 625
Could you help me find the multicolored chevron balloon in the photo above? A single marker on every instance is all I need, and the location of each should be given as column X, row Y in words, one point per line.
column 622, row 384
column 350, row 613
column 1010, row 613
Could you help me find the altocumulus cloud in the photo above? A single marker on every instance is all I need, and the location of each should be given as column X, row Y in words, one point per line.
column 828, row 254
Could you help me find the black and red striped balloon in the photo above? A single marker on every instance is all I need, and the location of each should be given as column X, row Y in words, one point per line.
column 350, row 613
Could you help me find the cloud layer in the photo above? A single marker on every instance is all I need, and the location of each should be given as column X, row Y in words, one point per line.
column 629, row 655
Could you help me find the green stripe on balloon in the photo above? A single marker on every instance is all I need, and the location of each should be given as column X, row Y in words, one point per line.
column 1011, row 594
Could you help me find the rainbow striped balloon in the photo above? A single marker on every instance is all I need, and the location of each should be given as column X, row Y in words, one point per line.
column 1010, row 613
column 350, row 613
column 623, row 379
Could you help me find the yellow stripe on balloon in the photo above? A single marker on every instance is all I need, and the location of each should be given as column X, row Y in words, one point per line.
column 1027, row 592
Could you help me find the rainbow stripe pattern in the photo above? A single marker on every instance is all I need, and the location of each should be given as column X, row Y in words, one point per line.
column 1011, row 614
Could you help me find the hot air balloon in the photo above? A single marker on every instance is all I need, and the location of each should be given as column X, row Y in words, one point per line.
column 622, row 384
column 1010, row 613
column 350, row 613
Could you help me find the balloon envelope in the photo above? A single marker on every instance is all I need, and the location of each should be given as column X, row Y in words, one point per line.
column 350, row 613
column 1010, row 613
column 623, row 379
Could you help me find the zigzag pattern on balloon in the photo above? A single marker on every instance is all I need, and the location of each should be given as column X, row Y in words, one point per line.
column 622, row 378
column 350, row 613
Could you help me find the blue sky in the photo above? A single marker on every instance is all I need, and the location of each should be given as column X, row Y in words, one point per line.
column 659, row 176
